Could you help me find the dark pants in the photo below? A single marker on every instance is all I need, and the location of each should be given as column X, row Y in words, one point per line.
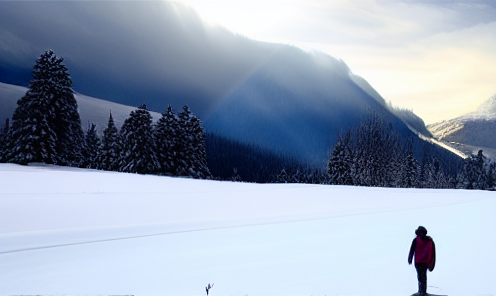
column 422, row 278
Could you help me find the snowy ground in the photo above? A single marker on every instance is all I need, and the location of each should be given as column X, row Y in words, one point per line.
column 81, row 232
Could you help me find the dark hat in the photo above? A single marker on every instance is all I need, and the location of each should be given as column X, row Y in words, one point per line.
column 421, row 229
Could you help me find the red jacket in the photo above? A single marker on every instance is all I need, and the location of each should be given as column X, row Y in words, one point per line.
column 424, row 251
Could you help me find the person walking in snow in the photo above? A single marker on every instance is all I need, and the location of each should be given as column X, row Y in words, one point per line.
column 424, row 250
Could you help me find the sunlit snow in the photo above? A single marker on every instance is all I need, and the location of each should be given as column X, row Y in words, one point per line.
column 69, row 231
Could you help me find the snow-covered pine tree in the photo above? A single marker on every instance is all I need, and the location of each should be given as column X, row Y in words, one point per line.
column 361, row 169
column 236, row 177
column 183, row 142
column 410, row 171
column 339, row 165
column 136, row 144
column 32, row 136
column 4, row 139
column 376, row 153
column 90, row 148
column 46, row 124
column 282, row 177
column 479, row 177
column 481, row 170
column 67, row 122
column 444, row 181
column 166, row 139
column 199, row 151
column 429, row 173
column 491, row 176
column 474, row 173
column 192, row 155
column 108, row 153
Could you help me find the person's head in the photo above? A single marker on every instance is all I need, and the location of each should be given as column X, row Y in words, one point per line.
column 421, row 231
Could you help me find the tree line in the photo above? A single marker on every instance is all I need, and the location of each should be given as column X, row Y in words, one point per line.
column 372, row 154
column 46, row 128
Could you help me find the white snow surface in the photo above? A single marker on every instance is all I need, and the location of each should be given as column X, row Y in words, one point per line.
column 66, row 231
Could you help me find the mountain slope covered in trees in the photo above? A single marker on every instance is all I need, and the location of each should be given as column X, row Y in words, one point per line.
column 274, row 96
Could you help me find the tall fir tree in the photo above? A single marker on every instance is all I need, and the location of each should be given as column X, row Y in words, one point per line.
column 4, row 140
column 137, row 153
column 429, row 174
column 339, row 165
column 32, row 137
column 46, row 124
column 166, row 139
column 108, row 154
column 474, row 173
column 376, row 152
column 90, row 148
column 198, row 149
column 491, row 176
column 182, row 144
column 410, row 174
column 192, row 155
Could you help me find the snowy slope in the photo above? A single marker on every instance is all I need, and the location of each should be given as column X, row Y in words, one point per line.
column 69, row 231
column 485, row 112
column 91, row 110
column 470, row 132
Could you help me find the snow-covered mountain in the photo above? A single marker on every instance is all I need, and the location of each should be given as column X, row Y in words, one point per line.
column 470, row 132
column 275, row 96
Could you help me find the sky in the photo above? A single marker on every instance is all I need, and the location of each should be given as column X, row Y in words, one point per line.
column 437, row 58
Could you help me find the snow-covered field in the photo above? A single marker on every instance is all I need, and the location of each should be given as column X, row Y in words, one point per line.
column 68, row 231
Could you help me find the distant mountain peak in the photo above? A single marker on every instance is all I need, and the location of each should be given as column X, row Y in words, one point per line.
column 487, row 109
column 470, row 132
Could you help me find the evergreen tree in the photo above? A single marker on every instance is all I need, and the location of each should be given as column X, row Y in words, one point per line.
column 136, row 144
column 339, row 165
column 91, row 148
column 410, row 171
column 32, row 137
column 480, row 169
column 491, row 176
column 282, row 177
column 108, row 153
column 166, row 139
column 430, row 174
column 198, row 149
column 474, row 174
column 192, row 154
column 4, row 140
column 236, row 177
column 183, row 143
column 376, row 152
column 46, row 124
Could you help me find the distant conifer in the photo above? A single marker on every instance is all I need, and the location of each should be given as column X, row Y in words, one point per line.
column 108, row 154
column 137, row 153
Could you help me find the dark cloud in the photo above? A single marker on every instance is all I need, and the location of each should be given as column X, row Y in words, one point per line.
column 277, row 96
column 132, row 51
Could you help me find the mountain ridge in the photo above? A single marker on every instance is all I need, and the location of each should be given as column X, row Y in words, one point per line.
column 273, row 95
column 470, row 132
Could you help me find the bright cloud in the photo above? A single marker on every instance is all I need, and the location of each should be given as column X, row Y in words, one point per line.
column 435, row 57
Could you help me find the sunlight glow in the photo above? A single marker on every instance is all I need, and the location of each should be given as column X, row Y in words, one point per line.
column 433, row 58
column 250, row 18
